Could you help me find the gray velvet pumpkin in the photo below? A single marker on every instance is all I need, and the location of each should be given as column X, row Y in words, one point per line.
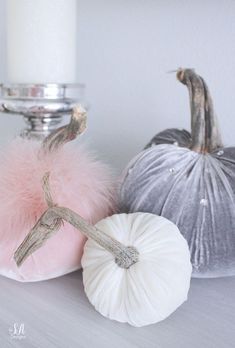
column 189, row 179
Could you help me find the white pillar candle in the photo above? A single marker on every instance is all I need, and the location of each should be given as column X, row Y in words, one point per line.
column 41, row 41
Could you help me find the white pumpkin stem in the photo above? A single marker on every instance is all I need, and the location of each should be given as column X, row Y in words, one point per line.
column 204, row 126
column 51, row 221
column 67, row 133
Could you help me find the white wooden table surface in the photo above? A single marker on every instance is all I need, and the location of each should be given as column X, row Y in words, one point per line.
column 56, row 313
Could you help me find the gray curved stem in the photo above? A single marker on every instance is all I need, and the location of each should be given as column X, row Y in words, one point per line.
column 204, row 126
column 51, row 221
column 67, row 133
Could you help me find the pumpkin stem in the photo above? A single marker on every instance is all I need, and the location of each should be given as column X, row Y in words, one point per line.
column 66, row 133
column 204, row 127
column 51, row 221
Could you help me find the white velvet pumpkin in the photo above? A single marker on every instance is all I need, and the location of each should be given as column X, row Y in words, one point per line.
column 152, row 288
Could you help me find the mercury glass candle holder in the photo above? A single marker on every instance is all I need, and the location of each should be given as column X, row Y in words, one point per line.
column 42, row 105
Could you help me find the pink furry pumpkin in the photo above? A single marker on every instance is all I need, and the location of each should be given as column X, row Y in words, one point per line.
column 78, row 181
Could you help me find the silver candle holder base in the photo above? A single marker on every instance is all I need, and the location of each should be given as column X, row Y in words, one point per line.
column 42, row 105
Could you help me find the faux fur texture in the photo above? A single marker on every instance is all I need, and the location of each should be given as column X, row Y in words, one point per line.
column 78, row 181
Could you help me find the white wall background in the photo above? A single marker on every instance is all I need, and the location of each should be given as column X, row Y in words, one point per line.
column 125, row 49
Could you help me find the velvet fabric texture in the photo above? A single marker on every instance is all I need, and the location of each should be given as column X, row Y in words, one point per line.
column 152, row 288
column 197, row 192
column 78, row 181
